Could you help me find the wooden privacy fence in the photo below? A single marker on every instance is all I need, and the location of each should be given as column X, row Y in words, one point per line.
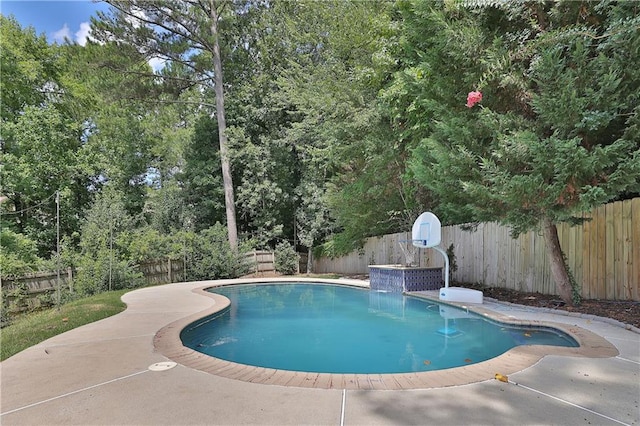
column 603, row 254
column 162, row 271
column 159, row 271
column 154, row 272
column 262, row 261
column 40, row 282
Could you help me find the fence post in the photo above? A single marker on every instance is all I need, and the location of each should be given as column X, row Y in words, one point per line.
column 255, row 261
column 70, row 278
column 169, row 272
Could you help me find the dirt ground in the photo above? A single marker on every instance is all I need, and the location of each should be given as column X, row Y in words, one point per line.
column 627, row 312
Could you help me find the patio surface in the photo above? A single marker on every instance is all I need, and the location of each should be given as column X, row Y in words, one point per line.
column 99, row 374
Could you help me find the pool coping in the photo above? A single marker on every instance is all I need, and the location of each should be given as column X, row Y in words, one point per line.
column 167, row 342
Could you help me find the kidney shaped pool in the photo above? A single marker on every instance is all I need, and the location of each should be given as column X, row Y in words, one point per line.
column 327, row 328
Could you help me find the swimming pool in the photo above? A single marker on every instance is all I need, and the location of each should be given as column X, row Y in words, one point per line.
column 338, row 329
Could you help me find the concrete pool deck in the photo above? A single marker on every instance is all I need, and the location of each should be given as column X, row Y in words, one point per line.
column 99, row 374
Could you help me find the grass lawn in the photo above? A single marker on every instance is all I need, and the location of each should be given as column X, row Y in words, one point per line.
column 30, row 329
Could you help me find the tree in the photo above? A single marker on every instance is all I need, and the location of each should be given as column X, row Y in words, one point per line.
column 184, row 33
column 103, row 262
column 340, row 57
column 19, row 254
column 29, row 66
column 556, row 131
column 200, row 180
column 227, row 180
column 41, row 141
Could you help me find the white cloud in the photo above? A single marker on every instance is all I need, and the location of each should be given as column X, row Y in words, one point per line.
column 62, row 34
column 81, row 36
column 157, row 63
column 83, row 33
column 136, row 19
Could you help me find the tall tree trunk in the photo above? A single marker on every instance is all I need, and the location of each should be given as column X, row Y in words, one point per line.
column 227, row 181
column 556, row 260
column 309, row 260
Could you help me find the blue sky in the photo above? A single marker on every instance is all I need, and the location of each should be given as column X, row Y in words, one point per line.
column 56, row 19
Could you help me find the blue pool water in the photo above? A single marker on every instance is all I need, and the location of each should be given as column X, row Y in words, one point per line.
column 338, row 329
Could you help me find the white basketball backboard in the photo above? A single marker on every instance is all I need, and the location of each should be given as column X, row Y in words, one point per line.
column 426, row 231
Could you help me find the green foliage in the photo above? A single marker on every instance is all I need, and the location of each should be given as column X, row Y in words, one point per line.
column 556, row 131
column 145, row 243
column 210, row 257
column 346, row 119
column 28, row 62
column 39, row 149
column 164, row 208
column 104, row 273
column 201, row 178
column 264, row 197
column 104, row 263
column 313, row 216
column 19, row 254
column 286, row 258
column 351, row 164
column 41, row 139
column 554, row 134
column 16, row 299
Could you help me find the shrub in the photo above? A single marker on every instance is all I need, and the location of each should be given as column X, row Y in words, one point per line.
column 19, row 254
column 16, row 299
column 286, row 259
column 210, row 257
column 146, row 243
column 94, row 273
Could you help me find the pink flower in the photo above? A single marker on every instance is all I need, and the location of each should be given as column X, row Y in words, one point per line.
column 473, row 98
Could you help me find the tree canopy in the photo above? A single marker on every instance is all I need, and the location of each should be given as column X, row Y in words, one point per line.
column 335, row 120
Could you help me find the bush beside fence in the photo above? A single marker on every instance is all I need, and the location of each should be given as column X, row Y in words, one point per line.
column 40, row 284
column 35, row 288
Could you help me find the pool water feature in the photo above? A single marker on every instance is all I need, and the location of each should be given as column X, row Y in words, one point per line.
column 339, row 329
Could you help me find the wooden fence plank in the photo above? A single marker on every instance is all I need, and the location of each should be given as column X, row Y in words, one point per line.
column 505, row 257
column 544, row 282
column 619, row 282
column 155, row 272
column 635, row 243
column 609, row 261
column 526, row 280
column 460, row 253
column 514, row 261
column 578, row 264
column 594, row 253
column 569, row 246
column 591, row 268
column 587, row 273
column 476, row 254
column 627, row 249
column 601, row 242
column 467, row 250
column 460, row 250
